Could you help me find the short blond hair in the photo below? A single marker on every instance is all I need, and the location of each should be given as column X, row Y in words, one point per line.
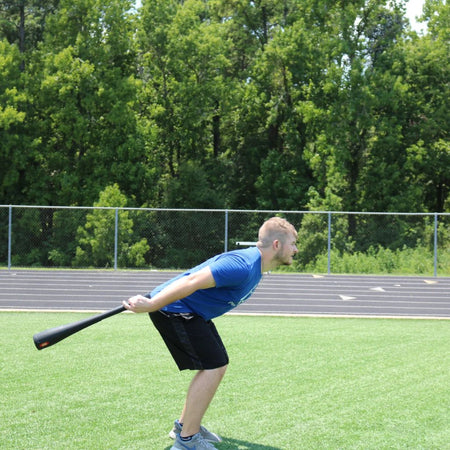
column 275, row 228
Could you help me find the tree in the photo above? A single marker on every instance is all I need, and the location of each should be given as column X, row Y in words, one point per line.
column 362, row 99
column 96, row 238
column 263, row 138
column 184, row 67
column 428, row 166
column 271, row 104
column 84, row 87
column 22, row 22
column 13, row 151
column 426, row 72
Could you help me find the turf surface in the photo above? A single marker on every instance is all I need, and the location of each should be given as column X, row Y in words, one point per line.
column 292, row 383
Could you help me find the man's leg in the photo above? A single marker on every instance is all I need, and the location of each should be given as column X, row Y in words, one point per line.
column 200, row 393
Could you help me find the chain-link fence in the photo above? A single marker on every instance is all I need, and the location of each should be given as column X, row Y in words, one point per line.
column 119, row 238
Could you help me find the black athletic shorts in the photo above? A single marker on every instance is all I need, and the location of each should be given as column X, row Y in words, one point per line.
column 193, row 341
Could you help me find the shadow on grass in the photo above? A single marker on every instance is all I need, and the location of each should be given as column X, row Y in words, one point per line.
column 234, row 444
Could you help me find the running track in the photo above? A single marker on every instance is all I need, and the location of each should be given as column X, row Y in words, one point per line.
column 285, row 294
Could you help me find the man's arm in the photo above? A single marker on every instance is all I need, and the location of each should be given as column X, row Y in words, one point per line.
column 181, row 288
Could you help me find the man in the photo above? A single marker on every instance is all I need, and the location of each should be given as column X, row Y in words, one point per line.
column 182, row 308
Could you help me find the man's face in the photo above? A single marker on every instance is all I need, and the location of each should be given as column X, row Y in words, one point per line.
column 287, row 251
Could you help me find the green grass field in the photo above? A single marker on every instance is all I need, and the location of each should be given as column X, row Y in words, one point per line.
column 292, row 383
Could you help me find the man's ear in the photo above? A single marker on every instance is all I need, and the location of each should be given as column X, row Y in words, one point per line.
column 276, row 244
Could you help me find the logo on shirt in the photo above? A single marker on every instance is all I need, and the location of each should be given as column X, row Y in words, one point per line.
column 246, row 296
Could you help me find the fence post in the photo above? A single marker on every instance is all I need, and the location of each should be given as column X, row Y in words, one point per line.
column 225, row 249
column 329, row 244
column 435, row 243
column 116, row 236
column 9, row 236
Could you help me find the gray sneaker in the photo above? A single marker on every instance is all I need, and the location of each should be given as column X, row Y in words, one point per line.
column 206, row 435
column 196, row 443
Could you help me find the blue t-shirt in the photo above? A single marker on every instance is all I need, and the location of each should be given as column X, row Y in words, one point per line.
column 236, row 273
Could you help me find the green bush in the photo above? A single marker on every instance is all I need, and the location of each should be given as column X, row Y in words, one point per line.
column 96, row 238
column 379, row 260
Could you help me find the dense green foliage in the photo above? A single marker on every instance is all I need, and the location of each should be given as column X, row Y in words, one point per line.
column 293, row 105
